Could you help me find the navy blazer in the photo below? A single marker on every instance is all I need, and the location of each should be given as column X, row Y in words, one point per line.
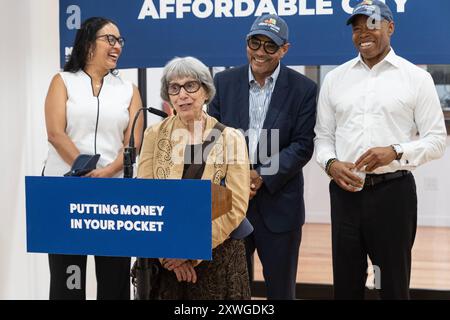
column 292, row 110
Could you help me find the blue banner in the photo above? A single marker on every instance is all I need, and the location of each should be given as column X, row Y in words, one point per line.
column 214, row 30
column 119, row 217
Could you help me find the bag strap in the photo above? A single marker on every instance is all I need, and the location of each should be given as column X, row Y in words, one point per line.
column 195, row 170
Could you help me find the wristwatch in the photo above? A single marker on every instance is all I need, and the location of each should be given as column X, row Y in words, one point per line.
column 398, row 150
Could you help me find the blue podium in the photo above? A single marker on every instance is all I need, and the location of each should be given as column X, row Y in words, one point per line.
column 123, row 217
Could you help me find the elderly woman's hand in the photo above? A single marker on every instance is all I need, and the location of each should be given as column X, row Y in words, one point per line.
column 186, row 272
column 171, row 264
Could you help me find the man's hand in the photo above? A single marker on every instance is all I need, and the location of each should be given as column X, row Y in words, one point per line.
column 375, row 158
column 342, row 174
column 255, row 183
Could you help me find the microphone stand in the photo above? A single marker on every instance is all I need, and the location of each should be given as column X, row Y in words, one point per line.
column 142, row 282
column 129, row 153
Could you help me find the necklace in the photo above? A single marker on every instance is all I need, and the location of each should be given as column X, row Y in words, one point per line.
column 97, row 82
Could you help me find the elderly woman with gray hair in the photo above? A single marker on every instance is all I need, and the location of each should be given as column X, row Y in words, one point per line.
column 169, row 148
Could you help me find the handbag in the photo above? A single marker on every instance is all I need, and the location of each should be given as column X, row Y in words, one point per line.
column 144, row 277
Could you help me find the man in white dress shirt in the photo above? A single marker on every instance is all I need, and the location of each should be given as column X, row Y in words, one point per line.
column 369, row 112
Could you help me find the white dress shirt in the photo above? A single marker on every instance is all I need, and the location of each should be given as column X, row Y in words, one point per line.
column 360, row 108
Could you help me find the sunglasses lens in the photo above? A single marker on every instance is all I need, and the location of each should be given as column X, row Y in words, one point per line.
column 254, row 43
column 270, row 47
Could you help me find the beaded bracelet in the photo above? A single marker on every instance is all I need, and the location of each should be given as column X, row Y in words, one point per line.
column 328, row 166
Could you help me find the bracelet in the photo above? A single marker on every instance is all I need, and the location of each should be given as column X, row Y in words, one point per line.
column 328, row 166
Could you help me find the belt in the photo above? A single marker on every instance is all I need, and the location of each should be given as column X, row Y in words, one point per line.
column 373, row 179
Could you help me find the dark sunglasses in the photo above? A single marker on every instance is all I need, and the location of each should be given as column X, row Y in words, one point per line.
column 112, row 39
column 270, row 47
column 190, row 87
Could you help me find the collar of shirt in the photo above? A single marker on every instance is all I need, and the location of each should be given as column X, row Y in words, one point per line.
column 391, row 58
column 273, row 77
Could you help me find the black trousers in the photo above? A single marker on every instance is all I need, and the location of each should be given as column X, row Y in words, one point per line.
column 278, row 253
column 379, row 222
column 113, row 277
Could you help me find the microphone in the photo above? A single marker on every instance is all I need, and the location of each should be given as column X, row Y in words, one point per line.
column 129, row 153
column 160, row 113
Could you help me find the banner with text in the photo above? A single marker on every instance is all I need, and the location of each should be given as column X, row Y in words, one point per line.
column 215, row 30
column 119, row 217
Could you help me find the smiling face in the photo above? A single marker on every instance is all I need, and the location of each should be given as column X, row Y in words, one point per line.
column 188, row 105
column 262, row 63
column 104, row 55
column 373, row 40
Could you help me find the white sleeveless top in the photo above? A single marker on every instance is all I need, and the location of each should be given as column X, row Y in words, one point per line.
column 84, row 113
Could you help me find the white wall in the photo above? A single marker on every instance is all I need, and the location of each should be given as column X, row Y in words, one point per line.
column 29, row 57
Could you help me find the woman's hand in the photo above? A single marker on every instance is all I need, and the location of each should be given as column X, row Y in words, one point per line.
column 171, row 264
column 105, row 172
column 183, row 268
column 186, row 272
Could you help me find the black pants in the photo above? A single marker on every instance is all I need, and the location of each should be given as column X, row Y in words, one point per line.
column 113, row 277
column 379, row 222
column 278, row 253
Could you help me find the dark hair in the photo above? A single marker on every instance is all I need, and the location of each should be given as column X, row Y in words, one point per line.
column 84, row 39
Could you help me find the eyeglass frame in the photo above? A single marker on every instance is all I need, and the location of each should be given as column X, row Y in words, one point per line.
column 263, row 43
column 120, row 40
column 200, row 84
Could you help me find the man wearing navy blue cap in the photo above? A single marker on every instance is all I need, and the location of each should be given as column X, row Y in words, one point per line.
column 369, row 112
column 276, row 106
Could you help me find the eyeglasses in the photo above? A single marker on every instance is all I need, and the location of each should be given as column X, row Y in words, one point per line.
column 270, row 47
column 190, row 87
column 112, row 39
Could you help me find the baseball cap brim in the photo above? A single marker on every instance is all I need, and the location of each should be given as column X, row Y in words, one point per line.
column 352, row 17
column 275, row 38
column 367, row 13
